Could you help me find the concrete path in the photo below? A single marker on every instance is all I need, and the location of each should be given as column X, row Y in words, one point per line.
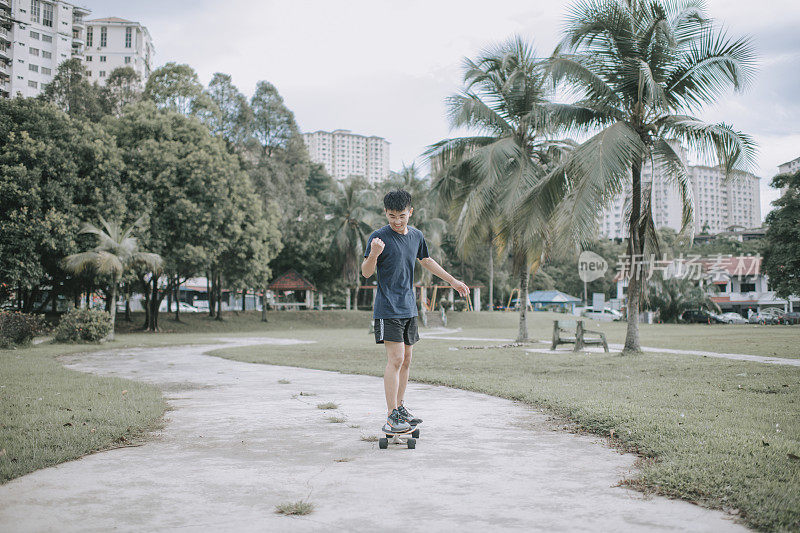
column 450, row 334
column 237, row 443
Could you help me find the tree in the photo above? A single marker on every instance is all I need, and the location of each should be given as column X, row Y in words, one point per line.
column 640, row 69
column 481, row 179
column 177, row 87
column 71, row 91
column 273, row 123
column 235, row 118
column 116, row 253
column 671, row 297
column 782, row 244
column 203, row 212
column 55, row 171
column 352, row 214
column 124, row 86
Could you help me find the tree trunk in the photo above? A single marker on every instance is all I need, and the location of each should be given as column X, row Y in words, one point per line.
column 244, row 300
column 264, row 305
column 491, row 277
column 522, row 336
column 112, row 298
column 146, row 306
column 210, row 293
column 347, row 298
column 635, row 251
column 128, row 303
column 177, row 298
column 218, row 282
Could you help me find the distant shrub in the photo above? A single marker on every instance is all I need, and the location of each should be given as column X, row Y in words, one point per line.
column 83, row 325
column 19, row 328
column 460, row 305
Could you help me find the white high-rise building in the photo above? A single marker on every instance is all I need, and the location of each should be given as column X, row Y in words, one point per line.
column 35, row 37
column 789, row 166
column 345, row 154
column 718, row 203
column 114, row 42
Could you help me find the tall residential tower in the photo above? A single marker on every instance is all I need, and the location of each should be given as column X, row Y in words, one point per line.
column 344, row 154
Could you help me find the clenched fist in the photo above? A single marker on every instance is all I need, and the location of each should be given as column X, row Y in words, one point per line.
column 377, row 247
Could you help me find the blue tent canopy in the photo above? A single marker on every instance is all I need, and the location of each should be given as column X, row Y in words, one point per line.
column 541, row 299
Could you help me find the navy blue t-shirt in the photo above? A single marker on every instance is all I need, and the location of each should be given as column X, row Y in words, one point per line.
column 395, row 296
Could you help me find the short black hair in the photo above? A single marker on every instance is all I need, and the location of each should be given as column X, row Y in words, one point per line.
column 397, row 200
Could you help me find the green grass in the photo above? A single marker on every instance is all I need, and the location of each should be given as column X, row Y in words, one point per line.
column 327, row 405
column 49, row 414
column 718, row 432
column 336, row 419
column 773, row 341
column 299, row 508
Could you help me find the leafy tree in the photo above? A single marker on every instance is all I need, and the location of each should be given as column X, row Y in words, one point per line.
column 782, row 244
column 235, row 118
column 124, row 86
column 203, row 215
column 55, row 170
column 177, row 87
column 640, row 69
column 116, row 253
column 671, row 297
column 273, row 123
column 71, row 91
column 483, row 178
column 352, row 215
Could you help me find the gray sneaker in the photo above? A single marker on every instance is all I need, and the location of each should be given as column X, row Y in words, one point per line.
column 408, row 417
column 396, row 424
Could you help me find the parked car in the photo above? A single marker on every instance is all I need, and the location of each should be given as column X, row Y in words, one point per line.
column 770, row 315
column 732, row 318
column 792, row 318
column 700, row 316
column 606, row 314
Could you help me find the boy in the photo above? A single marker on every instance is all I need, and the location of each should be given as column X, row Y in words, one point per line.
column 392, row 250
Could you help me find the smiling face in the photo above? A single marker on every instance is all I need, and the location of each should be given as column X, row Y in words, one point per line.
column 398, row 220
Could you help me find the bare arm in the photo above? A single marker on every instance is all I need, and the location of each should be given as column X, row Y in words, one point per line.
column 436, row 269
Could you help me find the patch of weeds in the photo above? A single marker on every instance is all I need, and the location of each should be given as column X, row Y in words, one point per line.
column 336, row 419
column 343, row 460
column 354, row 426
column 298, row 508
column 369, row 438
column 307, row 393
column 327, row 405
column 284, row 382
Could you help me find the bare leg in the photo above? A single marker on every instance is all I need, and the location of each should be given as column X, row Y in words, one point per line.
column 403, row 375
column 391, row 381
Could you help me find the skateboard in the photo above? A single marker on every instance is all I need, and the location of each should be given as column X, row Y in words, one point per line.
column 409, row 438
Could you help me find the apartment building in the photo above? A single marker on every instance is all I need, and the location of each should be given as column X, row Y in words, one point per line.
column 719, row 203
column 785, row 168
column 115, row 42
column 35, row 37
column 345, row 154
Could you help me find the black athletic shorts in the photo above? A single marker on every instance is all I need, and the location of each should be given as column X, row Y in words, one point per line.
column 396, row 330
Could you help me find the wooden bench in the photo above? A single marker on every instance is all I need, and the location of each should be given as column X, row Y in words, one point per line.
column 563, row 328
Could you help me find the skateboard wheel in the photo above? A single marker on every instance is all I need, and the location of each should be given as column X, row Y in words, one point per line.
column 412, row 443
column 383, row 443
column 415, row 433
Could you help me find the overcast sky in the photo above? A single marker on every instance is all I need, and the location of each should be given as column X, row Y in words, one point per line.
column 377, row 67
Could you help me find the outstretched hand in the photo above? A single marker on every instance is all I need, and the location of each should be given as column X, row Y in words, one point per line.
column 460, row 287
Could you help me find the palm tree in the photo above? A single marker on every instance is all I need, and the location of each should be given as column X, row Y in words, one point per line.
column 640, row 68
column 482, row 178
column 351, row 207
column 117, row 253
column 671, row 297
